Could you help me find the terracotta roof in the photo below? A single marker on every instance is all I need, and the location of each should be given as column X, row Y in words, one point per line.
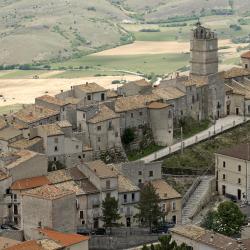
column 34, row 113
column 63, row 239
column 6, row 242
column 164, row 190
column 76, row 174
column 168, row 93
column 196, row 81
column 9, row 133
column 112, row 93
column 48, row 192
column 157, row 105
column 246, row 55
column 209, row 238
column 90, row 87
column 101, row 169
column 3, row 175
column 25, row 143
column 64, row 124
column 70, row 186
column 52, row 100
column 128, row 103
column 88, row 187
column 104, row 114
column 51, row 129
column 49, row 244
column 30, row 183
column 72, row 100
column 59, row 176
column 240, row 151
column 3, row 123
column 236, row 72
column 141, row 83
column 27, row 245
column 238, row 89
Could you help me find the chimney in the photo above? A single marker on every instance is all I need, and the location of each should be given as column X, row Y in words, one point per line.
column 87, row 83
column 61, row 90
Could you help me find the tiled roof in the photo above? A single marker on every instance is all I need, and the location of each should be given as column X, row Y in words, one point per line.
column 64, row 124
column 49, row 244
column 141, row 83
column 52, row 100
column 112, row 93
column 9, row 133
column 246, row 55
column 3, row 123
column 128, row 103
column 157, row 105
column 63, row 239
column 164, row 190
column 76, row 174
column 240, row 151
column 25, row 143
column 59, row 176
column 6, row 242
column 90, row 87
column 70, row 186
column 206, row 237
column 34, row 113
column 236, row 72
column 168, row 93
column 103, row 114
column 88, row 187
column 101, row 169
column 27, row 245
column 198, row 81
column 238, row 89
column 48, row 192
column 3, row 175
column 72, row 100
column 30, row 183
column 51, row 129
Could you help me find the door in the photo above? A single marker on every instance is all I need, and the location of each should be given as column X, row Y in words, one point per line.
column 96, row 223
column 218, row 114
column 223, row 189
column 228, row 109
column 237, row 111
column 128, row 221
column 239, row 194
column 174, row 219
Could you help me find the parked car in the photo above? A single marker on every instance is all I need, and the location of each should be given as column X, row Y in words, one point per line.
column 99, row 231
column 83, row 231
column 163, row 228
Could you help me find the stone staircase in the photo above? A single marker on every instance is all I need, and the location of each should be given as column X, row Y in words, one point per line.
column 199, row 196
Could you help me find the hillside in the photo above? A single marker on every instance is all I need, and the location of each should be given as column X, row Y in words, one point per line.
column 48, row 30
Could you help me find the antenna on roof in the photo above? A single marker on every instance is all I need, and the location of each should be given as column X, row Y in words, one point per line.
column 198, row 22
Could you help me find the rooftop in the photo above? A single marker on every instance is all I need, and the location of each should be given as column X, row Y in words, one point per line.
column 164, row 190
column 63, row 239
column 104, row 114
column 3, row 175
column 240, row 151
column 168, row 93
column 76, row 174
column 51, row 129
column 27, row 245
column 64, row 124
column 6, row 242
column 30, row 183
column 88, row 187
column 90, row 87
column 48, row 192
column 128, row 103
column 52, row 100
column 25, row 143
column 246, row 55
column 3, row 123
column 72, row 100
column 59, row 176
column 70, row 186
column 34, row 113
column 8, row 133
column 141, row 83
column 101, row 169
column 48, row 244
column 206, row 237
column 236, row 72
column 112, row 93
column 157, row 105
column 196, row 81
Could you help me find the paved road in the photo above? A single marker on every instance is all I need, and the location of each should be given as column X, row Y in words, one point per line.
column 221, row 125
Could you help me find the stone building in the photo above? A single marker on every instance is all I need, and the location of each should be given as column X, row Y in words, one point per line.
column 48, row 206
column 245, row 59
column 232, row 172
column 9, row 135
column 139, row 87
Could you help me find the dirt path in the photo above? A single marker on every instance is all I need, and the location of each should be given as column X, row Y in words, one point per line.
column 26, row 90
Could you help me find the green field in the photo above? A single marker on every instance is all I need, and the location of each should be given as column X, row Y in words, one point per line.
column 10, row 108
column 159, row 64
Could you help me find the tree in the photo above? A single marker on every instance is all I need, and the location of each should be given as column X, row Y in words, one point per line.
column 128, row 136
column 227, row 220
column 149, row 206
column 110, row 211
column 166, row 243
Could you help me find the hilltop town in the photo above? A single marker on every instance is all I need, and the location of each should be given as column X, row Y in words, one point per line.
column 66, row 168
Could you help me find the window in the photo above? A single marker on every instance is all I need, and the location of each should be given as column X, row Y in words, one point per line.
column 169, row 114
column 116, row 134
column 108, row 195
column 89, row 97
column 83, row 115
column 173, row 205
column 125, row 198
column 55, row 159
column 99, row 139
column 163, row 207
column 77, row 146
column 133, row 196
column 107, row 184
column 83, row 155
column 139, row 181
column 239, row 168
column 224, row 177
column 14, row 197
column 224, row 164
column 83, row 222
column 181, row 112
column 99, row 128
column 56, row 140
column 56, row 148
column 15, row 210
column 193, row 99
column 140, row 173
column 102, row 97
column 140, row 113
column 246, row 66
column 79, row 157
column 132, row 115
column 239, row 181
column 81, row 214
column 110, row 124
column 151, row 173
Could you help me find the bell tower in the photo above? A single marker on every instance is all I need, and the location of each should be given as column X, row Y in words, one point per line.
column 204, row 51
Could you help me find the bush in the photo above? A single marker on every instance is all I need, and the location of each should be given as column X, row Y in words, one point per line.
column 128, row 136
